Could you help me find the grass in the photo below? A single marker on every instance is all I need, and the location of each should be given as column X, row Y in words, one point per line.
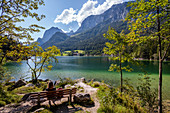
column 24, row 89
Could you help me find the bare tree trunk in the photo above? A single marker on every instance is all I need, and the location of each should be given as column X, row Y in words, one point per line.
column 121, row 77
column 160, row 64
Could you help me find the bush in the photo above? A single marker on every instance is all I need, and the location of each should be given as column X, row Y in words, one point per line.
column 2, row 103
column 96, row 84
column 65, row 81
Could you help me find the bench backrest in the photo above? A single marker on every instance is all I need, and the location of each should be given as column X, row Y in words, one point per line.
column 56, row 93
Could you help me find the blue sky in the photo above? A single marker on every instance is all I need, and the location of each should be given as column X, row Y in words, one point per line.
column 68, row 14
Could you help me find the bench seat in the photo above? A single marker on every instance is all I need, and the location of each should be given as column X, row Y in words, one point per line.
column 50, row 95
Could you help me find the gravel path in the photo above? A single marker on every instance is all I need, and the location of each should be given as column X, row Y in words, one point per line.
column 93, row 92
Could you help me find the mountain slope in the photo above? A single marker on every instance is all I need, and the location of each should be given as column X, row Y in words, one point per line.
column 55, row 39
column 90, row 34
column 48, row 34
column 116, row 13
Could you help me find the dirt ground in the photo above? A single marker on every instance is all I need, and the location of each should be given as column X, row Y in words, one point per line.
column 59, row 106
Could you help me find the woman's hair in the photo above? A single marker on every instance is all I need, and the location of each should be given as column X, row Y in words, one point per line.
column 50, row 85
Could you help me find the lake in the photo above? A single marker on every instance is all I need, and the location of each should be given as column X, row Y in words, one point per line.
column 95, row 68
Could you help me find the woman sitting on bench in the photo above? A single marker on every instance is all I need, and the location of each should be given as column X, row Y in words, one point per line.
column 50, row 86
column 50, row 96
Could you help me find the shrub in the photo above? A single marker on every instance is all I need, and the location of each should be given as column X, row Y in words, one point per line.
column 2, row 103
column 65, row 81
column 96, row 84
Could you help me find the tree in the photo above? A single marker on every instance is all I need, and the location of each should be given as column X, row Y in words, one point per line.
column 13, row 12
column 41, row 59
column 150, row 20
column 117, row 51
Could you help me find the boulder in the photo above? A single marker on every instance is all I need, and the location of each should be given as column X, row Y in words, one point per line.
column 83, row 99
column 46, row 80
column 38, row 110
column 83, row 79
column 67, row 86
column 80, row 80
column 20, row 83
column 29, row 85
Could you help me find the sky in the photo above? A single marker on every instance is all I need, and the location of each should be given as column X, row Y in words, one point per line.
column 67, row 14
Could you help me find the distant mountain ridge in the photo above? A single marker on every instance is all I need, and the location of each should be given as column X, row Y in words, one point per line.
column 48, row 34
column 116, row 13
column 90, row 35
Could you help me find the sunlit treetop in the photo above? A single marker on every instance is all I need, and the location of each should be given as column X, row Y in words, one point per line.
column 14, row 11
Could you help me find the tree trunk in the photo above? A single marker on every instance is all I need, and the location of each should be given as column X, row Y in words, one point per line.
column 121, row 77
column 160, row 64
column 160, row 87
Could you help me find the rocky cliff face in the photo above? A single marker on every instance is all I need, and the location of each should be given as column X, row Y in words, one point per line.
column 116, row 13
column 48, row 34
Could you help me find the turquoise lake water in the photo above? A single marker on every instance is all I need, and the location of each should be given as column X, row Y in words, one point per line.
column 95, row 68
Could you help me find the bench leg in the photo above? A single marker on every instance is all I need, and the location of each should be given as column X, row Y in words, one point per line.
column 70, row 95
column 38, row 99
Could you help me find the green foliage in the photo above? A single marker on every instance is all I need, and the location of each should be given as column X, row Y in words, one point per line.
column 135, row 100
column 118, row 51
column 41, row 59
column 2, row 103
column 14, row 11
column 148, row 95
column 113, row 101
column 65, row 81
column 11, row 13
column 150, row 20
column 94, row 83
column 24, row 89
column 143, row 24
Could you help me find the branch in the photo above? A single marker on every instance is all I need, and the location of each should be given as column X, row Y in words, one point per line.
column 42, row 66
column 165, row 52
column 29, row 66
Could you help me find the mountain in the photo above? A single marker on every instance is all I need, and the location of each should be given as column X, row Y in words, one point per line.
column 70, row 33
column 55, row 39
column 48, row 34
column 116, row 13
column 90, row 35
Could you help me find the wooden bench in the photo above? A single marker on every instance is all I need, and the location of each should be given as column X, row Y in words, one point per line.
column 50, row 95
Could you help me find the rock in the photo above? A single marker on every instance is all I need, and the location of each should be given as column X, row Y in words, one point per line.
column 81, row 90
column 82, row 97
column 20, row 83
column 46, row 80
column 80, row 80
column 29, row 85
column 73, row 86
column 38, row 110
column 40, row 80
column 83, row 79
column 67, row 86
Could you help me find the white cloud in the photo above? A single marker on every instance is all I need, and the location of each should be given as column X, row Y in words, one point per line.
column 67, row 16
column 89, row 8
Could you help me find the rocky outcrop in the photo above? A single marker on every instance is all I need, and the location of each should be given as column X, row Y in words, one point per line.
column 48, row 34
column 20, row 83
column 83, row 99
